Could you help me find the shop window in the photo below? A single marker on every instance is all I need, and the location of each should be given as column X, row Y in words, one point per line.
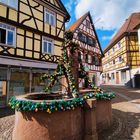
column 47, row 46
column 19, row 82
column 11, row 3
column 50, row 17
column 7, row 34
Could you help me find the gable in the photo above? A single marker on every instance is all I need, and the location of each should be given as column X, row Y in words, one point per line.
column 85, row 26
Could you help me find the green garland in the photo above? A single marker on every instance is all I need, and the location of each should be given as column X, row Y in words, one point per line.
column 60, row 105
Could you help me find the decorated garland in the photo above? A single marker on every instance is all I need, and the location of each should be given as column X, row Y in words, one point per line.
column 60, row 105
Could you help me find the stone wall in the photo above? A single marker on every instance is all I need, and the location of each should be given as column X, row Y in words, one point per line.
column 78, row 124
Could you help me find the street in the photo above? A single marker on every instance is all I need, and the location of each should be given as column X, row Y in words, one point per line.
column 126, row 114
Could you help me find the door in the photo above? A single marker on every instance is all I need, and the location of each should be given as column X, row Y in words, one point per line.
column 117, row 78
column 3, row 86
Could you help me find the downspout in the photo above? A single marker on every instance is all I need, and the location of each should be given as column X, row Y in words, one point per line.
column 129, row 65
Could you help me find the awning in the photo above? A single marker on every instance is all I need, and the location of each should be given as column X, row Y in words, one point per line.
column 26, row 63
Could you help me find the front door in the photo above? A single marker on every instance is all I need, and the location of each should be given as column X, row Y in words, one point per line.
column 3, row 86
column 117, row 78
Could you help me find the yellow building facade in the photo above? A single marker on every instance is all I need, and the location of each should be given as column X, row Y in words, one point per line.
column 31, row 34
column 121, row 64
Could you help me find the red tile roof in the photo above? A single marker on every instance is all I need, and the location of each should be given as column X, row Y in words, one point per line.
column 77, row 23
column 127, row 27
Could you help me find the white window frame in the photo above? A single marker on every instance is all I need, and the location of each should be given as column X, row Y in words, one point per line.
column 50, row 13
column 45, row 39
column 7, row 3
column 119, row 44
column 5, row 27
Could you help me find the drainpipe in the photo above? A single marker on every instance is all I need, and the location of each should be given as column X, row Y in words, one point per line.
column 131, row 84
column 8, row 84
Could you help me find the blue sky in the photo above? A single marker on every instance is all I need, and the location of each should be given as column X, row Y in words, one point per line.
column 108, row 15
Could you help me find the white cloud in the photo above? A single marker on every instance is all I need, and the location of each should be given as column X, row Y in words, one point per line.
column 112, row 13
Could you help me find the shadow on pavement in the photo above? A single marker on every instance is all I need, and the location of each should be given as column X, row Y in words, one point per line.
column 126, row 126
column 6, row 112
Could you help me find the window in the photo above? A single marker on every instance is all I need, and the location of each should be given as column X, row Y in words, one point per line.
column 47, row 46
column 112, row 76
column 119, row 44
column 97, row 61
column 7, row 34
column 108, row 52
column 50, row 17
column 91, row 42
column 113, row 49
column 93, row 60
column 120, row 58
column 113, row 61
column 84, row 38
column 86, row 58
column 11, row 3
column 79, row 56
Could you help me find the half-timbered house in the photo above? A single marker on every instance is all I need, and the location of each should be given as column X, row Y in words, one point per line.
column 90, row 52
column 121, row 64
column 31, row 34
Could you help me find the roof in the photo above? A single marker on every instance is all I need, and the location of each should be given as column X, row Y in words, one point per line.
column 63, row 7
column 77, row 23
column 128, row 27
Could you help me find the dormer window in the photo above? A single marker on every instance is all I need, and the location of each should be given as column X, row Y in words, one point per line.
column 11, row 3
column 50, row 17
column 7, row 35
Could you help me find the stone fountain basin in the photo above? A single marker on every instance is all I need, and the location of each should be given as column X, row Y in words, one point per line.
column 61, row 125
column 77, row 124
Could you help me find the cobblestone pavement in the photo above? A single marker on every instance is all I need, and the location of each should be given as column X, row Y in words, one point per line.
column 126, row 116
